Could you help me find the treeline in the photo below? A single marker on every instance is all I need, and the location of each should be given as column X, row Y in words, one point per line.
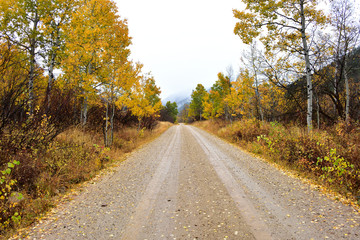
column 64, row 63
column 301, row 66
column 169, row 112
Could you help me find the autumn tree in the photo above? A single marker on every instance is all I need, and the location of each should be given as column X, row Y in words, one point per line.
column 145, row 101
column 287, row 29
column 275, row 101
column 242, row 96
column 346, row 28
column 196, row 107
column 20, row 24
column 13, row 84
column 59, row 14
column 214, row 104
column 116, row 92
column 253, row 60
column 116, row 75
column 184, row 114
column 87, row 37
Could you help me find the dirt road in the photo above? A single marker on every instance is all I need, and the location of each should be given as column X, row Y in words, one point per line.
column 188, row 184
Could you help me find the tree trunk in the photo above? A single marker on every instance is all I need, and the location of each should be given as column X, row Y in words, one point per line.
column 84, row 110
column 52, row 64
column 85, row 103
column 106, row 140
column 33, row 42
column 318, row 111
column 31, row 80
column 347, row 105
column 337, row 59
column 50, row 82
column 258, row 97
column 308, row 69
column 112, row 124
column 335, row 87
column 257, row 93
column 139, row 126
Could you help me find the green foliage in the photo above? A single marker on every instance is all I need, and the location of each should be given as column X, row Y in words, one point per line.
column 269, row 142
column 172, row 109
column 336, row 168
column 196, row 107
column 8, row 209
column 21, row 142
column 169, row 112
column 318, row 153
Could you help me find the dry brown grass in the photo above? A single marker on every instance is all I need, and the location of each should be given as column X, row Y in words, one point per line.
column 74, row 157
column 329, row 157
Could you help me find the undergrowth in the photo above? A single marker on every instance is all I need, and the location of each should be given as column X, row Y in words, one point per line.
column 330, row 156
column 37, row 169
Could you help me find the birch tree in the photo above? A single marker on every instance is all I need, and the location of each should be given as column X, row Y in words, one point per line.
column 253, row 60
column 20, row 24
column 87, row 38
column 53, row 45
column 145, row 101
column 346, row 28
column 282, row 25
column 114, row 72
column 241, row 95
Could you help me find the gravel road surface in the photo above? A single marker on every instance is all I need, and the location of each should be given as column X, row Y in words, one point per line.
column 188, row 184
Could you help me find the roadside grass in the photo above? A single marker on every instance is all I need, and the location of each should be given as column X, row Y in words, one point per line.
column 37, row 179
column 329, row 157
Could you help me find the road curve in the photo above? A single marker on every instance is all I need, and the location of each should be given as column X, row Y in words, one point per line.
column 188, row 184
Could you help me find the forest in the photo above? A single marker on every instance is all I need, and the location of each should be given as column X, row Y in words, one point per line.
column 68, row 92
column 72, row 101
column 296, row 99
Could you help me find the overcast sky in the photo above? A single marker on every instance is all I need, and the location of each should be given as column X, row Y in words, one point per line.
column 183, row 43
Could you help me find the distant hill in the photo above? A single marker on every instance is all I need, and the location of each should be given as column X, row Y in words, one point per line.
column 181, row 99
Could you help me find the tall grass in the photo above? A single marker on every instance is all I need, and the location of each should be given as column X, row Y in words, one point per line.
column 330, row 156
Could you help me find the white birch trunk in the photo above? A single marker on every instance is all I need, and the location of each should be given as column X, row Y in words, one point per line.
column 32, row 64
column 257, row 93
column 84, row 111
column 308, row 69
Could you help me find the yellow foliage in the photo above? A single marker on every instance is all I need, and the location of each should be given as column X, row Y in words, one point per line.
column 145, row 100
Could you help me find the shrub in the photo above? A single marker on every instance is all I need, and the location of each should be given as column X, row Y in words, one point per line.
column 9, row 215
column 332, row 155
column 42, row 168
column 20, row 144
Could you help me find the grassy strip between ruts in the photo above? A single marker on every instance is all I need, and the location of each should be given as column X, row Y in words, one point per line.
column 75, row 157
column 329, row 157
